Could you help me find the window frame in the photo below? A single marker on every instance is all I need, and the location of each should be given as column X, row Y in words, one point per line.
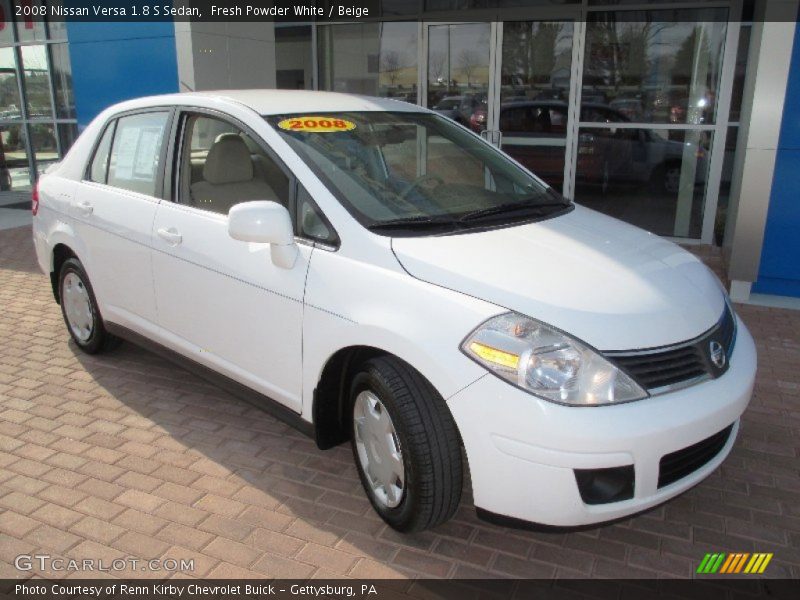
column 172, row 172
column 160, row 168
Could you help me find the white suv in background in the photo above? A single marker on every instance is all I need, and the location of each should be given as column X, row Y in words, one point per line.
column 370, row 271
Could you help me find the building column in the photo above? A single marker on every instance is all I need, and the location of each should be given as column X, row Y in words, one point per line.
column 762, row 113
column 213, row 56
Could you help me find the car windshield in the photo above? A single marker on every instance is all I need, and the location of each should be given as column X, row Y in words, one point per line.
column 406, row 173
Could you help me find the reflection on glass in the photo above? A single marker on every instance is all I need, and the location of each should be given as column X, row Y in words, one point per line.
column 67, row 134
column 37, row 81
column 652, row 69
column 14, row 169
column 534, row 91
column 739, row 72
column 377, row 59
column 43, row 145
column 6, row 31
column 458, row 72
column 62, row 81
column 293, row 64
column 645, row 177
column 9, row 87
column 29, row 28
column 57, row 30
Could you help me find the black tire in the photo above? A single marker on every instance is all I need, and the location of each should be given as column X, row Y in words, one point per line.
column 99, row 340
column 428, row 439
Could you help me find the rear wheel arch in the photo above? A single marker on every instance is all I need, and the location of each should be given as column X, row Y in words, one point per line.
column 61, row 253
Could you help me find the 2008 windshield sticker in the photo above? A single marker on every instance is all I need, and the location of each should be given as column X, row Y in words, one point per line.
column 316, row 124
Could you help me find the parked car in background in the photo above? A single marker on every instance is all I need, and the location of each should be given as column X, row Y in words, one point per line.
column 371, row 272
column 606, row 156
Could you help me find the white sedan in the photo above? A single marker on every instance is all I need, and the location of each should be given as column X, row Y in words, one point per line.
column 368, row 270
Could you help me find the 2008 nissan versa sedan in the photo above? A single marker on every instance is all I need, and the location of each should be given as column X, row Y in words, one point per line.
column 371, row 271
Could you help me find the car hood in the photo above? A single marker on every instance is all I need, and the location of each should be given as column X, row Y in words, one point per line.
column 608, row 283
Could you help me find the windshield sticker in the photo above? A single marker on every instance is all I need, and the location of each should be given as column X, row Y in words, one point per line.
column 316, row 124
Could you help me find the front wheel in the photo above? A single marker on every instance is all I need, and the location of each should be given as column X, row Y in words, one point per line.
column 405, row 446
column 80, row 311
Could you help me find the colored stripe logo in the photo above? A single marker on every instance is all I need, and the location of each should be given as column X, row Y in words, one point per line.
column 734, row 563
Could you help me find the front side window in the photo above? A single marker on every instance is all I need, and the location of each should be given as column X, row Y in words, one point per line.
column 221, row 165
column 404, row 173
column 136, row 151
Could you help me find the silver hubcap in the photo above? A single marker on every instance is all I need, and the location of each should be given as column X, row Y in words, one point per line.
column 77, row 307
column 378, row 449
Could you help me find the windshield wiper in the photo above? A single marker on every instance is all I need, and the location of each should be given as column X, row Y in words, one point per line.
column 509, row 208
column 412, row 223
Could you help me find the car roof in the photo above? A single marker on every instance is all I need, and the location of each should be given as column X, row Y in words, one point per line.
column 277, row 102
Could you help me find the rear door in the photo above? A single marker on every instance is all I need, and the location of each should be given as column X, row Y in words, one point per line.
column 222, row 302
column 113, row 209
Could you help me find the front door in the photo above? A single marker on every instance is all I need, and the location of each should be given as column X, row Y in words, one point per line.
column 220, row 301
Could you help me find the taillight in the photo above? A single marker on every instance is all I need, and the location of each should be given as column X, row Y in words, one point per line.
column 35, row 199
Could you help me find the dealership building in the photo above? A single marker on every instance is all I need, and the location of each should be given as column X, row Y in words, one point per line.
column 680, row 117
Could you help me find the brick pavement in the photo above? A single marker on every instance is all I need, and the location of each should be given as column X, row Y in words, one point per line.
column 126, row 455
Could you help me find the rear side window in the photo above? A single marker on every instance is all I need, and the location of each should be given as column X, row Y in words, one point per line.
column 99, row 168
column 136, row 151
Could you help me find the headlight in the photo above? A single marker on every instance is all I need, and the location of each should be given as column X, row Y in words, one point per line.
column 548, row 363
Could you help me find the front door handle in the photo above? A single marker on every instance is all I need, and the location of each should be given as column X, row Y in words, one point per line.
column 171, row 235
column 84, row 208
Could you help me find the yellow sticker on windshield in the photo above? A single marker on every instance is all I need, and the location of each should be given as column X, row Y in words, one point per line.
column 316, row 124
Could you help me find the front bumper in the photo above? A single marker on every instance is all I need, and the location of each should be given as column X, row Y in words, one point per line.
column 523, row 451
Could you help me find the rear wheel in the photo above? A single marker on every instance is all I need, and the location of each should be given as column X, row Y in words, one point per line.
column 80, row 311
column 405, row 446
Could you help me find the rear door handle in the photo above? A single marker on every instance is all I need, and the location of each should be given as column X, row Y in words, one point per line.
column 171, row 235
column 84, row 208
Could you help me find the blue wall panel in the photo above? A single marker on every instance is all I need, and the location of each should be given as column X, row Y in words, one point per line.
column 112, row 62
column 779, row 272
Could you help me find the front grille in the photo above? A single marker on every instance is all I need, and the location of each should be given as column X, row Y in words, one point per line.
column 681, row 363
column 679, row 464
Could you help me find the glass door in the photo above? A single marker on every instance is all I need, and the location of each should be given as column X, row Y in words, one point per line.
column 535, row 84
column 459, row 71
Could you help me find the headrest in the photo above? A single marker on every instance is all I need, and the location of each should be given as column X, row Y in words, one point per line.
column 228, row 161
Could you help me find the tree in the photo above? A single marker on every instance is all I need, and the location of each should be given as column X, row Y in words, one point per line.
column 391, row 64
column 469, row 60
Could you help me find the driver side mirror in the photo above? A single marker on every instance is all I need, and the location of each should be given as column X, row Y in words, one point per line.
column 265, row 222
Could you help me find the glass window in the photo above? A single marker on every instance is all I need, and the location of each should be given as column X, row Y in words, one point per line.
column 655, row 66
column 62, row 81
column 30, row 24
column 136, row 151
column 655, row 179
column 740, row 72
column 413, row 174
column 99, row 168
column 9, row 86
column 67, row 134
column 377, row 59
column 312, row 223
column 293, row 60
column 37, row 82
column 225, row 166
column 6, row 20
column 44, row 145
column 534, row 91
column 14, row 167
column 458, row 71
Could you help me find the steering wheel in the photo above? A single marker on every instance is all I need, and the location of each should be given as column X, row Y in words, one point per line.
column 418, row 181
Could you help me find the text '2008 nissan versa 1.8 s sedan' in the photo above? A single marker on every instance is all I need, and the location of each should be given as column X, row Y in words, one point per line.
column 370, row 271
